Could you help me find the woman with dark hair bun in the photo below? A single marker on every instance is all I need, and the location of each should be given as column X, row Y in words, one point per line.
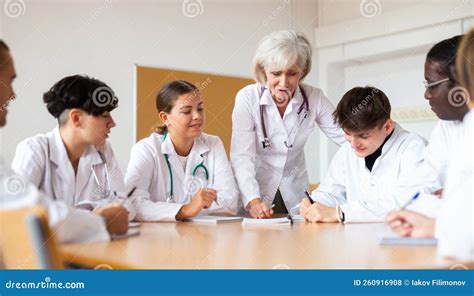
column 75, row 162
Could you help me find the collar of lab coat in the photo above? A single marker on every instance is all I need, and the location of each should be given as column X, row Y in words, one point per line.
column 199, row 146
column 57, row 150
column 58, row 154
column 393, row 139
column 64, row 173
column 194, row 157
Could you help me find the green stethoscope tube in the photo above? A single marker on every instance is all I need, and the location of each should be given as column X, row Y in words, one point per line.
column 201, row 165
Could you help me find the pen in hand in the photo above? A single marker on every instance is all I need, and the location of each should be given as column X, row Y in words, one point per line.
column 410, row 201
column 309, row 197
column 123, row 200
column 131, row 191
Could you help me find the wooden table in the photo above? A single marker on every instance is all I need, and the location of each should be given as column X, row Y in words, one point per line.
column 186, row 245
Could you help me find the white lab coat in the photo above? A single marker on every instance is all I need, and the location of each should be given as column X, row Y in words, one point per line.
column 444, row 142
column 261, row 172
column 366, row 196
column 69, row 225
column 148, row 171
column 43, row 161
column 454, row 226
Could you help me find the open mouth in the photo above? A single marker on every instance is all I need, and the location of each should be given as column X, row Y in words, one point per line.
column 284, row 90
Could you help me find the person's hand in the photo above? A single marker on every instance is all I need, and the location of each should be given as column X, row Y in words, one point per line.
column 258, row 209
column 304, row 206
column 203, row 199
column 320, row 213
column 409, row 223
column 116, row 218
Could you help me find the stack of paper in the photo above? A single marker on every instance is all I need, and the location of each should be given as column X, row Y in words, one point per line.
column 396, row 240
column 297, row 218
column 270, row 221
column 213, row 219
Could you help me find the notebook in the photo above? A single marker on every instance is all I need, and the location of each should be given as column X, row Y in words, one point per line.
column 297, row 218
column 268, row 221
column 133, row 224
column 395, row 240
column 214, row 219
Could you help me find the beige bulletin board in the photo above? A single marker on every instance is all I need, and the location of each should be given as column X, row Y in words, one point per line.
column 218, row 94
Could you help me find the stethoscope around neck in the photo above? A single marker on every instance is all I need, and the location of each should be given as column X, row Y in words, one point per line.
column 104, row 189
column 304, row 105
column 170, row 171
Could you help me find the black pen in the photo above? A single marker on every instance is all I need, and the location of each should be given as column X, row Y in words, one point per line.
column 309, row 197
column 131, row 191
column 290, row 218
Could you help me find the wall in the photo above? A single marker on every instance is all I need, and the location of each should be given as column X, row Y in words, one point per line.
column 385, row 45
column 104, row 39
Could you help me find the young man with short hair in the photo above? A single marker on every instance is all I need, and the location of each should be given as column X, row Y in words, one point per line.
column 370, row 174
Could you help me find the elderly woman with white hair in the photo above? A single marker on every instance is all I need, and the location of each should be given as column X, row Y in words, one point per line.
column 271, row 122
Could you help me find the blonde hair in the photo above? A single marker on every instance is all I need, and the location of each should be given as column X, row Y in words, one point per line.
column 281, row 50
column 465, row 63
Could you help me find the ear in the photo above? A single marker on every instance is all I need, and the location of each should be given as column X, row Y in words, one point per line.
column 164, row 117
column 75, row 117
column 389, row 126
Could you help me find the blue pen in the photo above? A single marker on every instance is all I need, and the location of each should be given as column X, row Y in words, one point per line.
column 410, row 201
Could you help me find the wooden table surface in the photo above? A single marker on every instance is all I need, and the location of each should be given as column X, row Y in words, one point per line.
column 186, row 245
